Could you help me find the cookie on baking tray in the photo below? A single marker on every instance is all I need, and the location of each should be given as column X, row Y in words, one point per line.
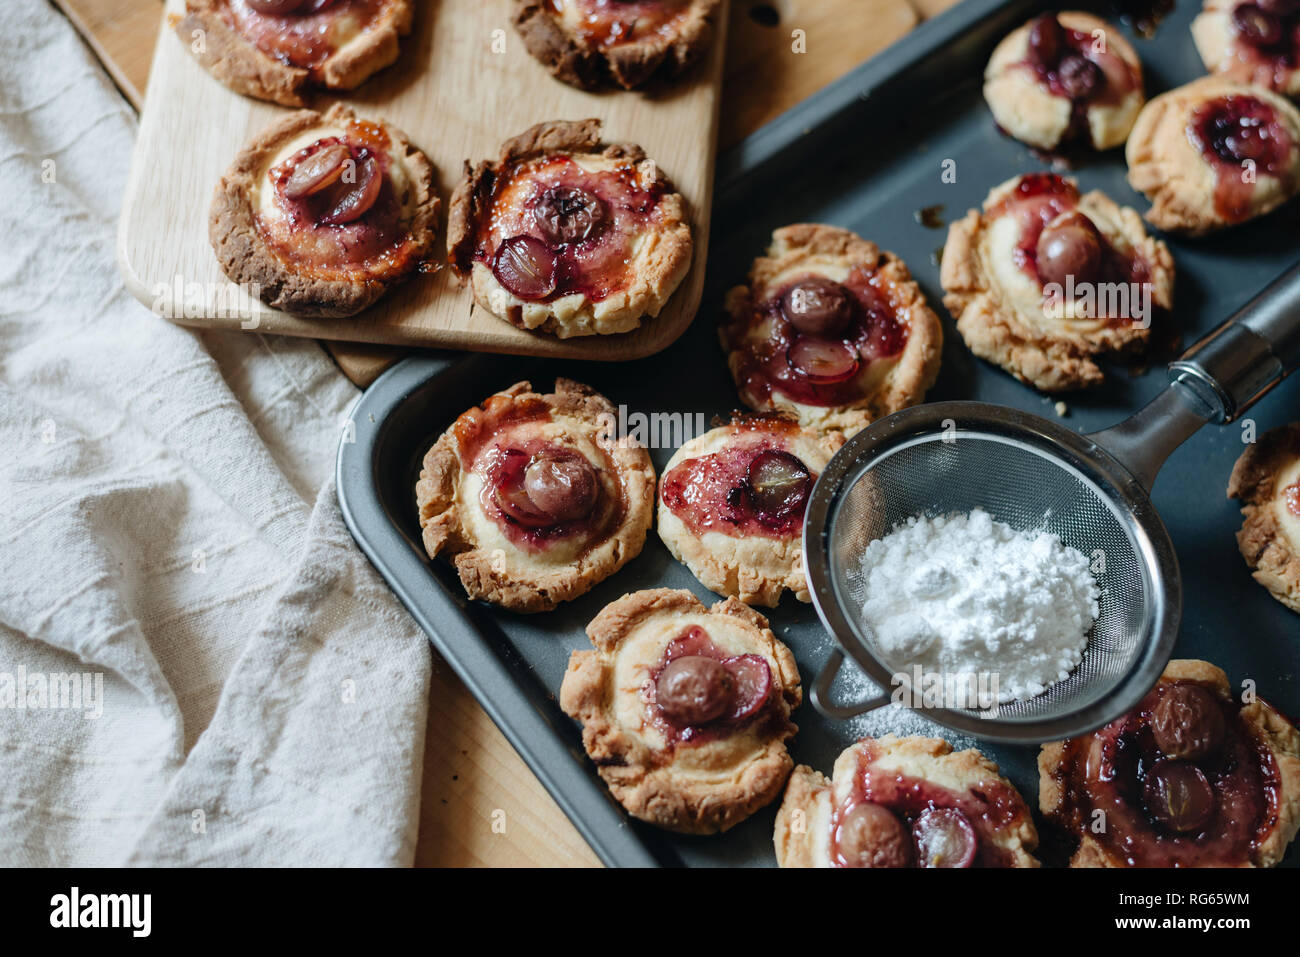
column 596, row 44
column 1266, row 479
column 732, row 501
column 1043, row 280
column 566, row 234
column 322, row 213
column 1214, row 153
column 278, row 49
column 1190, row 778
column 904, row 802
column 1254, row 43
column 1065, row 78
column 532, row 499
column 685, row 709
column 831, row 330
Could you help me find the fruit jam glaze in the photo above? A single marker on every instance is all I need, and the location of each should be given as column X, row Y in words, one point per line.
column 556, row 229
column 699, row 693
column 1057, row 243
column 755, row 487
column 823, row 338
column 890, row 819
column 1076, row 66
column 1267, row 35
column 297, row 32
column 610, row 23
column 1181, row 780
column 1232, row 131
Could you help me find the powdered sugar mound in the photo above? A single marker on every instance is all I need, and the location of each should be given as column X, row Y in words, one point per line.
column 965, row 595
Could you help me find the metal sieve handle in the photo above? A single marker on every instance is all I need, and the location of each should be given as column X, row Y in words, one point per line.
column 821, row 692
column 1216, row 380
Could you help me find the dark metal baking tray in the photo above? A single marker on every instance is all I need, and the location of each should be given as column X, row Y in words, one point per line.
column 865, row 153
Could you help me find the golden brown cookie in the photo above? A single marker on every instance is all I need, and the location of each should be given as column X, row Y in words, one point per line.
column 831, row 330
column 1065, row 78
column 1043, row 280
column 731, row 505
column 1214, row 153
column 321, row 213
column 1190, row 778
column 533, row 497
column 565, row 234
column 596, row 44
column 904, row 802
column 1252, row 43
column 278, row 49
column 685, row 709
column 1266, row 479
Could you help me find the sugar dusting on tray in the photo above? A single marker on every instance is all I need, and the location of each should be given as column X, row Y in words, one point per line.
column 967, row 595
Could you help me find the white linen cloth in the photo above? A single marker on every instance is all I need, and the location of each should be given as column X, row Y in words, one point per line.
column 168, row 520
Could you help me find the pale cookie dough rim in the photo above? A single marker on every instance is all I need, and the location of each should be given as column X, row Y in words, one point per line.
column 654, row 282
column 1217, row 57
column 991, row 326
column 1262, row 541
column 912, row 374
column 246, row 258
column 1151, row 171
column 1084, row 22
column 646, row 786
column 1266, row 725
column 626, row 66
column 774, row 565
column 444, row 532
column 804, row 789
column 239, row 64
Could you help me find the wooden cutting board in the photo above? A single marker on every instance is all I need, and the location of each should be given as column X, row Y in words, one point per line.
column 462, row 85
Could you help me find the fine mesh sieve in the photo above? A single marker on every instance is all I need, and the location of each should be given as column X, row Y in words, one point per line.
column 1032, row 474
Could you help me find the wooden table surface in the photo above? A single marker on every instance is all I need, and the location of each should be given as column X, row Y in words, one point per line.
column 480, row 805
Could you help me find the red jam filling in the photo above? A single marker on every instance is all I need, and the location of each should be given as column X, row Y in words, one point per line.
column 557, row 229
column 1060, row 246
column 1078, row 67
column 299, row 33
column 824, row 337
column 752, row 488
column 1181, row 782
column 610, row 23
column 1267, row 36
column 342, row 213
column 699, row 693
column 1231, row 131
column 892, row 820
column 1292, row 496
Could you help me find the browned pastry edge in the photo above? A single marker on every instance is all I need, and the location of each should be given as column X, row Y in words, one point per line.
column 1263, row 542
column 641, row 777
column 245, row 256
column 627, row 65
column 917, row 367
column 1268, row 727
column 444, row 532
column 240, row 65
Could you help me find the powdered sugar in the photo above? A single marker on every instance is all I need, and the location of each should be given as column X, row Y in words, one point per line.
column 967, row 595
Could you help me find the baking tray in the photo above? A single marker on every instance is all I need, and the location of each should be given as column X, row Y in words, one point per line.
column 865, row 153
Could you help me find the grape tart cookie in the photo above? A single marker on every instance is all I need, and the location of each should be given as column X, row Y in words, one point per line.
column 732, row 501
column 685, row 709
column 1214, row 153
column 321, row 213
column 1256, row 43
column 565, row 234
column 1266, row 480
column 533, row 499
column 279, row 49
column 597, row 44
column 831, row 330
column 1190, row 778
column 1065, row 79
column 1044, row 279
column 904, row 802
